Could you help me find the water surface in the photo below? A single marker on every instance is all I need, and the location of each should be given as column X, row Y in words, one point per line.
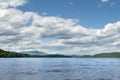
column 59, row 69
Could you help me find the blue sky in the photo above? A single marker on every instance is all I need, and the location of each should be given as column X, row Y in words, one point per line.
column 60, row 26
column 90, row 13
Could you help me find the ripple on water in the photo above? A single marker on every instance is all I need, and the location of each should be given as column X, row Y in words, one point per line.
column 72, row 79
column 54, row 70
column 26, row 73
column 104, row 79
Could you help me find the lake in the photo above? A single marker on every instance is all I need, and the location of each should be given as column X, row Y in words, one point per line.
column 59, row 68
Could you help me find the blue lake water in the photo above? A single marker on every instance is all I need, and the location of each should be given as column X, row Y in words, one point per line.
column 59, row 68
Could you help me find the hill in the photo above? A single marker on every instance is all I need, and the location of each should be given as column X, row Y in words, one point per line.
column 104, row 55
column 12, row 54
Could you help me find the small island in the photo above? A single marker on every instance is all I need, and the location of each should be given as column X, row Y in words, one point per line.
column 8, row 54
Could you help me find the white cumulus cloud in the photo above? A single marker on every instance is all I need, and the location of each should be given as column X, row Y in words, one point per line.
column 11, row 3
column 105, row 0
column 52, row 34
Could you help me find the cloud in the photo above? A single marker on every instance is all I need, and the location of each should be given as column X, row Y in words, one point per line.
column 11, row 3
column 44, row 13
column 97, row 40
column 53, row 34
column 105, row 1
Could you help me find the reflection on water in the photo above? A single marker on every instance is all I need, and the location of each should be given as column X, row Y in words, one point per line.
column 60, row 69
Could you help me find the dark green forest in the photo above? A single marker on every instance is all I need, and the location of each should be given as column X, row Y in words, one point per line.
column 12, row 54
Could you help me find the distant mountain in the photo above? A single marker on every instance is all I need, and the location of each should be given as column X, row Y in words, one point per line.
column 34, row 52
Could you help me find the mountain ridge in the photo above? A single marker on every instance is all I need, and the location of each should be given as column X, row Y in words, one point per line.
column 34, row 52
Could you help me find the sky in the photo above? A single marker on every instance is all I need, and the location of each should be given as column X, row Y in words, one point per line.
column 60, row 26
column 90, row 13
